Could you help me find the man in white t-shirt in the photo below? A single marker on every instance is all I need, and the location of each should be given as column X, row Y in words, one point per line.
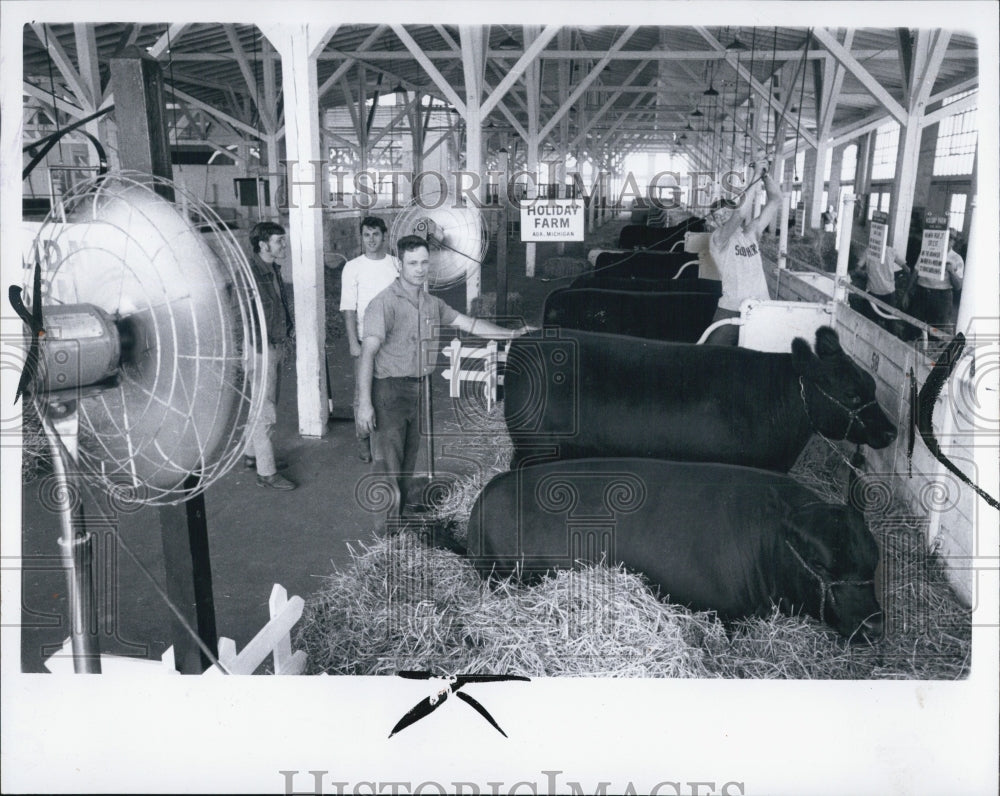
column 362, row 279
column 735, row 249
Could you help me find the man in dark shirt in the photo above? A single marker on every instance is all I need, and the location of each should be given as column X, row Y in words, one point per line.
column 391, row 371
column 268, row 243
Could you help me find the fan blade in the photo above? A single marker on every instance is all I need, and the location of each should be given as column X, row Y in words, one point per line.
column 480, row 710
column 414, row 714
column 29, row 369
column 409, row 674
column 14, row 296
column 36, row 298
column 491, row 678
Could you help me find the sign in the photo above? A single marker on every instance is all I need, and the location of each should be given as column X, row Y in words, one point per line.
column 877, row 236
column 800, row 219
column 551, row 220
column 933, row 247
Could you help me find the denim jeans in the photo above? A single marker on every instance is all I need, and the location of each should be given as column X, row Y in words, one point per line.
column 396, row 438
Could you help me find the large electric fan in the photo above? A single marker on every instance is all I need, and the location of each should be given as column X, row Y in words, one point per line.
column 143, row 319
column 454, row 231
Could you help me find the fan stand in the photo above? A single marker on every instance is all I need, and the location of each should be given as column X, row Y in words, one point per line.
column 76, row 543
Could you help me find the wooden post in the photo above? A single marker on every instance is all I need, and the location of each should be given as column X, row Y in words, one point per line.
column 140, row 113
column 783, row 231
column 299, row 45
column 474, row 66
column 501, row 309
column 846, row 225
column 184, row 532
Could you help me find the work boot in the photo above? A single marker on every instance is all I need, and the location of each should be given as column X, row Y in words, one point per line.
column 250, row 463
column 275, row 482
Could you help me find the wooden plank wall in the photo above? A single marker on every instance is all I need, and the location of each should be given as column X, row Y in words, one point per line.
column 933, row 498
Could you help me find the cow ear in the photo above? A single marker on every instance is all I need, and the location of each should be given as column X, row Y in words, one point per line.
column 827, row 343
column 803, row 359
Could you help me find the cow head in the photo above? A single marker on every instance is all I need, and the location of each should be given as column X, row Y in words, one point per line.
column 839, row 396
column 832, row 558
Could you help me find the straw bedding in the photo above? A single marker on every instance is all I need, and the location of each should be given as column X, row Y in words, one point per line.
column 402, row 604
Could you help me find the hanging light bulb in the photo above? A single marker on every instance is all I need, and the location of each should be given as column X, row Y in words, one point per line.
column 697, row 112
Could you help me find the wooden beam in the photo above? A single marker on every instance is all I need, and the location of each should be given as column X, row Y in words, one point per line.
column 585, row 83
column 55, row 103
column 935, row 58
column 172, row 34
column 341, row 70
column 612, row 99
column 863, row 76
column 826, row 121
column 197, row 103
column 428, row 67
column 904, row 41
column 86, row 56
column 59, row 57
column 529, row 56
column 249, row 77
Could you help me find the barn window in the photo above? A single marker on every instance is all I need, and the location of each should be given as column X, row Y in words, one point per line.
column 849, row 164
column 886, row 144
column 800, row 165
column 956, row 211
column 956, row 141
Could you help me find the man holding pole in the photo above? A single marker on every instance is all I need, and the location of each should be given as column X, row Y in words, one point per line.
column 394, row 367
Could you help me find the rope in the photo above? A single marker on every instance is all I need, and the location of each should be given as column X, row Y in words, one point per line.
column 824, row 584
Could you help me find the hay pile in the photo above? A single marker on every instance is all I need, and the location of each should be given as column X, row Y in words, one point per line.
column 403, row 605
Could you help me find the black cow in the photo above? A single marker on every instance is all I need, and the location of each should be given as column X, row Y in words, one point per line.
column 680, row 315
column 600, row 280
column 714, row 537
column 663, row 239
column 573, row 395
column 647, row 265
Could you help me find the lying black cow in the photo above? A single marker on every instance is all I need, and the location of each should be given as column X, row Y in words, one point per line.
column 646, row 265
column 661, row 238
column 714, row 537
column 572, row 395
column 679, row 315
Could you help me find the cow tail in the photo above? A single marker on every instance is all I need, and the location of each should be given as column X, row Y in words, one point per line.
column 925, row 410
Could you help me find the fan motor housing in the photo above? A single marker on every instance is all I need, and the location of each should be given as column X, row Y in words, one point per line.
column 81, row 347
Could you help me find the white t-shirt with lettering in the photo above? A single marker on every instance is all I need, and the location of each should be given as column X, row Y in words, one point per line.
column 361, row 280
column 741, row 268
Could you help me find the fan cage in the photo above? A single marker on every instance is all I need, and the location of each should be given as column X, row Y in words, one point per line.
column 188, row 392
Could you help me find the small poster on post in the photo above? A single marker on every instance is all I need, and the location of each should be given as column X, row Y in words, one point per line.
column 552, row 220
column 800, row 219
column 877, row 236
column 933, row 247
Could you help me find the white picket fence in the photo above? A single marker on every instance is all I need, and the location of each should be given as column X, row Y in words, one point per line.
column 487, row 358
column 274, row 639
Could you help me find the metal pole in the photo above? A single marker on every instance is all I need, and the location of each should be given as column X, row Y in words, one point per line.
column 839, row 291
column 76, row 544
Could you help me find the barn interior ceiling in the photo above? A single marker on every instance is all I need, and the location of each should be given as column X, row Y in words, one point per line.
column 620, row 89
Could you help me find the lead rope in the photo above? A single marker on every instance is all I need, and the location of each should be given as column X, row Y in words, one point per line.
column 824, row 584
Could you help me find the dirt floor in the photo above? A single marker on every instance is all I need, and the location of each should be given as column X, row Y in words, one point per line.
column 257, row 537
